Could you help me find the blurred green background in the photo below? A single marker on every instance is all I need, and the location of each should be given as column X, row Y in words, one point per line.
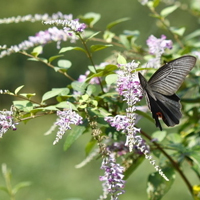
column 29, row 153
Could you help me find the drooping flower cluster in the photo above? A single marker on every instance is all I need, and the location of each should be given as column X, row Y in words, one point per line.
column 65, row 119
column 129, row 87
column 113, row 178
column 157, row 47
column 41, row 38
column 6, row 122
column 50, row 35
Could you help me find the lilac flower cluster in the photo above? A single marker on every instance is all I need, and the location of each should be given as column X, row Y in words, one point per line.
column 36, row 17
column 50, row 35
column 157, row 47
column 69, row 25
column 41, row 38
column 65, row 119
column 113, row 178
column 6, row 122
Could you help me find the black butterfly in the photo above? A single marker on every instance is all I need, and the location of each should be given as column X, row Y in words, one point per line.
column 161, row 87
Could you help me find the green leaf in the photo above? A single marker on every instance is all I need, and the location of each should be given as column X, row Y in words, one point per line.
column 73, row 135
column 111, row 78
column 64, row 49
column 64, row 64
column 35, row 59
column 49, row 108
column 18, row 89
column 93, row 89
column 157, row 186
column 134, row 165
column 54, row 92
column 93, row 35
column 3, row 188
column 192, row 35
column 156, row 3
column 79, row 86
column 20, row 186
column 54, row 57
column 90, row 18
column 108, row 36
column 121, row 59
column 90, row 146
column 116, row 22
column 178, row 31
column 144, row 114
column 36, row 51
column 65, row 104
column 166, row 11
column 99, row 47
column 159, row 135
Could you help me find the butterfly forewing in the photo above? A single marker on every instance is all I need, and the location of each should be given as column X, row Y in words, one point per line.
column 169, row 77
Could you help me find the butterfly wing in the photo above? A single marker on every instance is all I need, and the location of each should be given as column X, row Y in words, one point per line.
column 160, row 90
column 167, row 79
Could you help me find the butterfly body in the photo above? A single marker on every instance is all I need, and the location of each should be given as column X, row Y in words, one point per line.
column 161, row 87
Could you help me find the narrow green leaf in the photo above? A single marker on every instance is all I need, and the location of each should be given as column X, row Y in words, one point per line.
column 50, row 108
column 116, row 22
column 166, row 11
column 134, row 165
column 65, row 64
column 20, row 186
column 157, row 186
column 18, row 89
column 93, row 35
column 73, row 135
column 192, row 35
column 36, row 51
column 54, row 57
column 99, row 47
column 178, row 31
column 64, row 49
column 121, row 59
column 35, row 59
column 90, row 146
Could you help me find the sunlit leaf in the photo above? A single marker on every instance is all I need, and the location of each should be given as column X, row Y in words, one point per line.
column 79, row 86
column 20, row 186
column 121, row 59
column 90, row 18
column 54, row 58
column 65, row 64
column 65, row 104
column 18, row 89
column 111, row 78
column 178, row 31
column 64, row 49
column 36, row 51
column 166, row 11
column 54, row 92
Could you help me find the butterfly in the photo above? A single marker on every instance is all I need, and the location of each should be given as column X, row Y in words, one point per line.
column 161, row 88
